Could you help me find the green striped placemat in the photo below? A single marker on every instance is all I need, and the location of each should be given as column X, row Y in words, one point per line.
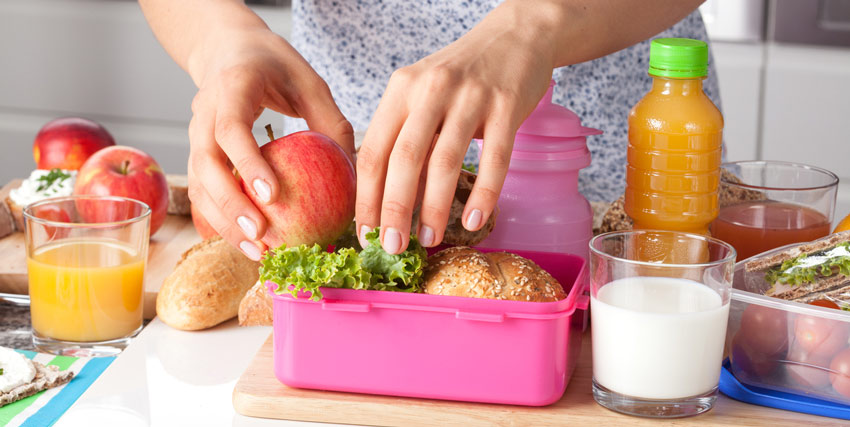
column 45, row 407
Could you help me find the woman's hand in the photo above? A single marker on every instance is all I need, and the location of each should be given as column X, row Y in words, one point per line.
column 245, row 72
column 483, row 85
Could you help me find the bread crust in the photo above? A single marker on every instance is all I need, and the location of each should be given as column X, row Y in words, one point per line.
column 178, row 195
column 455, row 233
column 256, row 307
column 206, row 286
column 764, row 263
column 463, row 271
column 615, row 217
column 17, row 213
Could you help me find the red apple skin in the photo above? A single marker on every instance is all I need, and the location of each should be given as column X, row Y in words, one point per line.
column 66, row 143
column 317, row 190
column 127, row 172
column 204, row 229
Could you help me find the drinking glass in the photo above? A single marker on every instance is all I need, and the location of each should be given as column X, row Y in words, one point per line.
column 658, row 328
column 778, row 203
column 86, row 259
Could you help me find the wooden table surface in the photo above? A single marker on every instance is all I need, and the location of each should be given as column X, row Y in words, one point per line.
column 258, row 393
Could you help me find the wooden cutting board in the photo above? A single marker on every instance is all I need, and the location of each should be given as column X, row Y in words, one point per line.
column 259, row 394
column 176, row 235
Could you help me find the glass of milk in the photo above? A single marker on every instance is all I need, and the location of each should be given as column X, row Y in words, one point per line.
column 658, row 323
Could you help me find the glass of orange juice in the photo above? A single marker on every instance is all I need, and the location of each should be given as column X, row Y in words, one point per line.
column 86, row 259
column 779, row 203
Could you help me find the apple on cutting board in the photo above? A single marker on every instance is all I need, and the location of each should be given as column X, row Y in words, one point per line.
column 66, row 143
column 127, row 172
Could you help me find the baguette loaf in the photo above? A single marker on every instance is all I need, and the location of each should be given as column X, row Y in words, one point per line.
column 256, row 307
column 206, row 286
column 466, row 272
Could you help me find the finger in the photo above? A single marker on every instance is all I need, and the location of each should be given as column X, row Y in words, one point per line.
column 322, row 115
column 223, row 226
column 208, row 166
column 495, row 158
column 372, row 164
column 234, row 116
column 443, row 170
column 403, row 172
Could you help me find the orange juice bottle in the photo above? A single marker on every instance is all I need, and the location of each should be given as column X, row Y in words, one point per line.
column 675, row 136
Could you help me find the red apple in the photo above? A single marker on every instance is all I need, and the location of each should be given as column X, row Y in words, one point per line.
column 205, row 230
column 317, row 189
column 68, row 142
column 127, row 172
column 54, row 213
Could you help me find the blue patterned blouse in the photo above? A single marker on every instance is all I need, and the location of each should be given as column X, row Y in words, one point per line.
column 355, row 45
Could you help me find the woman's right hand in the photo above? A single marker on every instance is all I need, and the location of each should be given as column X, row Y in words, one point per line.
column 239, row 73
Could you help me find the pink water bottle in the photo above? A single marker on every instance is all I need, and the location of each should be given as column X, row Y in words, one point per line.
column 540, row 206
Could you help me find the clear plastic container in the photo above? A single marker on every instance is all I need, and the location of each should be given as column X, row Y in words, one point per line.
column 433, row 346
column 782, row 345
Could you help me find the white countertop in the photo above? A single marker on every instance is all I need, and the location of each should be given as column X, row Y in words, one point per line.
column 170, row 378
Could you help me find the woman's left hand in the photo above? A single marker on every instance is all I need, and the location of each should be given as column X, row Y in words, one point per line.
column 481, row 86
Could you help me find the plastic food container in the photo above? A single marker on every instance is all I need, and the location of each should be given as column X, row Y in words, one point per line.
column 785, row 346
column 433, row 346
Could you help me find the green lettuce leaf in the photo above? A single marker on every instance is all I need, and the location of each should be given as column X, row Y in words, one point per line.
column 401, row 272
column 306, row 268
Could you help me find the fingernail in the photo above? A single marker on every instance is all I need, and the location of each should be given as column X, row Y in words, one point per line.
column 248, row 227
column 473, row 221
column 362, row 236
column 392, row 241
column 426, row 236
column 264, row 192
column 251, row 250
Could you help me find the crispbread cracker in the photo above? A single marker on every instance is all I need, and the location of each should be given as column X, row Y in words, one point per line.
column 45, row 377
column 730, row 194
column 616, row 218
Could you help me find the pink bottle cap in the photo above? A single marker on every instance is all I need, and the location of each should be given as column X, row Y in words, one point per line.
column 552, row 120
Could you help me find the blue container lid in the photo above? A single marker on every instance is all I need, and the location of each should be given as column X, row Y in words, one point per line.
column 730, row 386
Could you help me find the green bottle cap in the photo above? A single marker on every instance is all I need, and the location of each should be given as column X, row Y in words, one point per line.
column 678, row 58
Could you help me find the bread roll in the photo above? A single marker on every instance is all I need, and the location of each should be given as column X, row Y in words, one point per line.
column 206, row 286
column 455, row 233
column 256, row 307
column 178, row 195
column 463, row 271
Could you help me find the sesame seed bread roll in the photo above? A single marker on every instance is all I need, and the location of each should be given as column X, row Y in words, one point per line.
column 463, row 271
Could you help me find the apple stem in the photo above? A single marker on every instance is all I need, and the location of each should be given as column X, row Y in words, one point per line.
column 270, row 132
column 125, row 167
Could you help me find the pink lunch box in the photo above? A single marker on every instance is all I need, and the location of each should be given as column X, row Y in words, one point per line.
column 433, row 346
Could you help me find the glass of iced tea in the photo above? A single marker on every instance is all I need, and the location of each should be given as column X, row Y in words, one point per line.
column 86, row 259
column 776, row 203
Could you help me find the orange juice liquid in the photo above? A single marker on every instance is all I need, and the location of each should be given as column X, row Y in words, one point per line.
column 674, row 156
column 86, row 290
